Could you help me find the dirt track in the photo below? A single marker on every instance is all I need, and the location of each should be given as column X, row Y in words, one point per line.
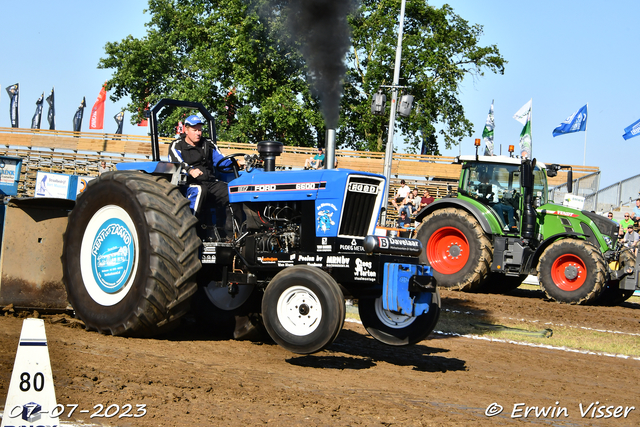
column 191, row 378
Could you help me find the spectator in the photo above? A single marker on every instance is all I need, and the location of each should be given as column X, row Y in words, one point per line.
column 631, row 239
column 409, row 205
column 401, row 194
column 610, row 216
column 404, row 222
column 426, row 199
column 636, row 212
column 102, row 168
column 316, row 161
column 626, row 222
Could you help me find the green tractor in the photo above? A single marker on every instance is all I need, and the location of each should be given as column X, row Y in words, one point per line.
column 500, row 228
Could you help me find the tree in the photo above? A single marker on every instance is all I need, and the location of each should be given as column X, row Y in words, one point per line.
column 203, row 50
column 439, row 50
column 239, row 59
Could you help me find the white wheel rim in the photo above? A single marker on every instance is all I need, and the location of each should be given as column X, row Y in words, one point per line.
column 221, row 298
column 390, row 319
column 109, row 255
column 299, row 311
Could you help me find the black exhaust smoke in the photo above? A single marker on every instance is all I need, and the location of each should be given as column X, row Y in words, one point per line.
column 322, row 27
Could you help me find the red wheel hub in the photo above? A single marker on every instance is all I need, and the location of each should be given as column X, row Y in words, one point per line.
column 448, row 250
column 568, row 272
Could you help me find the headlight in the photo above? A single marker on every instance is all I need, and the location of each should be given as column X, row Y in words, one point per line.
column 608, row 240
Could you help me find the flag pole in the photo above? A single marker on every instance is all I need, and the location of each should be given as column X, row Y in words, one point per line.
column 584, row 158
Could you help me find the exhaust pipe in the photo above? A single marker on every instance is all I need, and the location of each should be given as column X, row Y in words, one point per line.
column 330, row 149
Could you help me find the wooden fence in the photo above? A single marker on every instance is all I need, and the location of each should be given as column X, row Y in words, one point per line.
column 80, row 153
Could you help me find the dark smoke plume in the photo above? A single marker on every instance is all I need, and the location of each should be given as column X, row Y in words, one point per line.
column 321, row 26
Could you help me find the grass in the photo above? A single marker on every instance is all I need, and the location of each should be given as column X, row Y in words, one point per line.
column 522, row 331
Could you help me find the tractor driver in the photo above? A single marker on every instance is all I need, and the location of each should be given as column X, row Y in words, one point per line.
column 489, row 191
column 197, row 157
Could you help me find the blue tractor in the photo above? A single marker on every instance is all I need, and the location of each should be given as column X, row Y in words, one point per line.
column 134, row 254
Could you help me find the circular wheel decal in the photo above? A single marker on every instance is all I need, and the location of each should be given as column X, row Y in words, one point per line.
column 109, row 255
column 448, row 250
column 568, row 272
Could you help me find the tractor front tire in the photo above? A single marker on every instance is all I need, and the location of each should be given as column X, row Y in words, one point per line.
column 396, row 329
column 456, row 248
column 130, row 255
column 572, row 271
column 303, row 309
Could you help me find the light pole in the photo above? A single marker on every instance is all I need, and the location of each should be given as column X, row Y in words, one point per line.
column 392, row 116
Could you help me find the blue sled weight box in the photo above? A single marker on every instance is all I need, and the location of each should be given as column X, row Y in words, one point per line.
column 401, row 294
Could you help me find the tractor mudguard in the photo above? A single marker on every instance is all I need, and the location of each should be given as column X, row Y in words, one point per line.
column 458, row 203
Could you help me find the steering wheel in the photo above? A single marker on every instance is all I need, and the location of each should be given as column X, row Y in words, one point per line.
column 234, row 167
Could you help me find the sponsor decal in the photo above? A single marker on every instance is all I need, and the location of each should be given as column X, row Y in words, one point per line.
column 325, row 246
column 353, row 247
column 363, row 271
column 267, row 260
column 324, row 219
column 208, row 259
column 338, row 261
column 112, row 255
column 285, row 263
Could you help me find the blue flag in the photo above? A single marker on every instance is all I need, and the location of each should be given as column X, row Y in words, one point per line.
column 632, row 130
column 576, row 122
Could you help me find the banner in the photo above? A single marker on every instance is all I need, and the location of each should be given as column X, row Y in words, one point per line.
column 487, row 133
column 523, row 113
column 14, row 103
column 37, row 117
column 51, row 115
column 96, row 121
column 77, row 117
column 525, row 139
column 119, row 118
column 144, row 122
column 632, row 130
column 576, row 122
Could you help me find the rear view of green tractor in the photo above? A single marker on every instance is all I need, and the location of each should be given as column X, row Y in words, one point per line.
column 500, row 228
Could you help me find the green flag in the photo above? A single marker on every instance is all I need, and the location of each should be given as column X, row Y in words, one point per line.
column 525, row 138
column 487, row 133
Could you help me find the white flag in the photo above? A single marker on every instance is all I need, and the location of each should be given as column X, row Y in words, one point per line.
column 523, row 114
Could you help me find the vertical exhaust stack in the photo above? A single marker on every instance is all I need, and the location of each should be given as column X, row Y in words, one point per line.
column 268, row 151
column 330, row 149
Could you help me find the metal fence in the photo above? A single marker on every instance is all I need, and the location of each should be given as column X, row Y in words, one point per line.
column 608, row 199
column 615, row 195
column 585, row 186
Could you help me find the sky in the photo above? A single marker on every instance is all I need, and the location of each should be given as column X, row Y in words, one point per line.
column 562, row 55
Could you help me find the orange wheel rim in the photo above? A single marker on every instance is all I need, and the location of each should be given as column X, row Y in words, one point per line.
column 448, row 250
column 569, row 272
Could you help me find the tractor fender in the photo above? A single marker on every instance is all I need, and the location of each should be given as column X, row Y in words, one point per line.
column 533, row 260
column 448, row 202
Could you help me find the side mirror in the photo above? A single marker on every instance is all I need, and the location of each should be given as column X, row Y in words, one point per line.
column 570, row 181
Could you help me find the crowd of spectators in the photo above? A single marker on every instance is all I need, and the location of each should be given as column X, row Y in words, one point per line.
column 408, row 202
column 626, row 232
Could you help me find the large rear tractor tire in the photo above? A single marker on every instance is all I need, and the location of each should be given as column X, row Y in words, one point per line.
column 397, row 329
column 130, row 255
column 572, row 271
column 456, row 248
column 612, row 294
column 303, row 309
